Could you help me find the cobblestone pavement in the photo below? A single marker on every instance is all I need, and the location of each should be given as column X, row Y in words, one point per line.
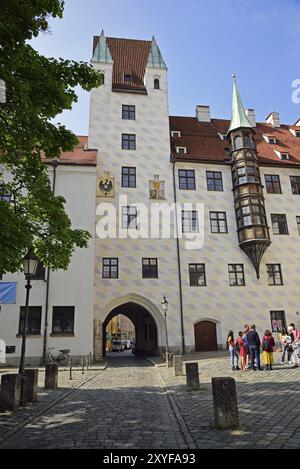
column 11, row 421
column 124, row 407
column 269, row 404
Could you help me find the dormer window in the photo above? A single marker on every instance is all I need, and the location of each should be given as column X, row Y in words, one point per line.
column 128, row 77
column 156, row 84
column 297, row 133
column 175, row 134
column 272, row 140
column 181, row 150
column 282, row 155
column 222, row 136
column 285, row 156
column 269, row 139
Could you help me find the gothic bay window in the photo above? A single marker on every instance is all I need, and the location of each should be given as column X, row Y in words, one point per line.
column 110, row 267
column 295, row 183
column 272, row 184
column 129, row 217
column 237, row 142
column 274, row 274
column 250, row 211
column 279, row 224
column 128, row 112
column 214, row 181
column 34, row 320
column 236, row 275
column 63, row 320
column 197, row 275
column 189, row 219
column 150, row 268
column 186, row 179
column 128, row 177
column 128, row 142
column 218, row 222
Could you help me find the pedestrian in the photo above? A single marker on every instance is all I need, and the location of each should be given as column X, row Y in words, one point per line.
column 242, row 351
column 287, row 338
column 268, row 344
column 254, row 346
column 246, row 342
column 295, row 344
column 233, row 351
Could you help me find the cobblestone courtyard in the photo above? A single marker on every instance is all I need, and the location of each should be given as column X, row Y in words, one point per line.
column 128, row 406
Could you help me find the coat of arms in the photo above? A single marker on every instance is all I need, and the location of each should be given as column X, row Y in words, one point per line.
column 105, row 186
column 157, row 188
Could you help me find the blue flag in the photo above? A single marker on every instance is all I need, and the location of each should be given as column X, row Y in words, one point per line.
column 8, row 292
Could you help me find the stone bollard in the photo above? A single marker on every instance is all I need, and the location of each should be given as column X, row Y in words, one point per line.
column 10, row 392
column 178, row 365
column 192, row 376
column 31, row 385
column 170, row 360
column 225, row 403
column 51, row 376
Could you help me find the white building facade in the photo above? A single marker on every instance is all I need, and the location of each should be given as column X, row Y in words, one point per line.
column 146, row 158
column 68, row 299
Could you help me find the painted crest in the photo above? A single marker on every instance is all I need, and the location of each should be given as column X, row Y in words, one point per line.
column 105, row 186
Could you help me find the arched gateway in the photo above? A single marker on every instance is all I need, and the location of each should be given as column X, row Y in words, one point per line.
column 147, row 320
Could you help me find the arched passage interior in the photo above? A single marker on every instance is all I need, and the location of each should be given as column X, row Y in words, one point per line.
column 146, row 340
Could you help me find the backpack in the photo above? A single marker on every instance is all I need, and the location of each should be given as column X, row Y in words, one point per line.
column 267, row 347
column 237, row 347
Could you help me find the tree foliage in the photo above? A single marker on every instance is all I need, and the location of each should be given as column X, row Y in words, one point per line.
column 37, row 89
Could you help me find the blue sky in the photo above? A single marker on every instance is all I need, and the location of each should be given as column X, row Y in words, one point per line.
column 202, row 41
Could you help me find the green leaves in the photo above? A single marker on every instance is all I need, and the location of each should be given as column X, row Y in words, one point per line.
column 38, row 89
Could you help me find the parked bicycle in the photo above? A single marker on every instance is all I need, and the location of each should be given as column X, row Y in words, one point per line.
column 61, row 357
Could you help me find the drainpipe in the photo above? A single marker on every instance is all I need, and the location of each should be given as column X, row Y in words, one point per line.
column 54, row 164
column 179, row 263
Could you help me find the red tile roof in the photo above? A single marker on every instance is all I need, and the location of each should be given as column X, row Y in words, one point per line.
column 130, row 57
column 203, row 142
column 81, row 155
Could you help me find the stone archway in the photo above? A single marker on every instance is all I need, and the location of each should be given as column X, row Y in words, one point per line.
column 146, row 317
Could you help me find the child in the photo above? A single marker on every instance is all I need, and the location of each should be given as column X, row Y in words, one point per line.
column 268, row 344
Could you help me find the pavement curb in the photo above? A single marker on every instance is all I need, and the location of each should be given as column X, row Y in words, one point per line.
column 50, row 406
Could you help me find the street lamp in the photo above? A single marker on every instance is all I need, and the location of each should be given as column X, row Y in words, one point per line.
column 165, row 305
column 30, row 264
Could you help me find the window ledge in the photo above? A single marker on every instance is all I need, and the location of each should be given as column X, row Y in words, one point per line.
column 29, row 336
column 62, row 334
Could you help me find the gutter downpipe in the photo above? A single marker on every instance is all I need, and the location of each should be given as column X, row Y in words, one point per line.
column 54, row 165
column 183, row 351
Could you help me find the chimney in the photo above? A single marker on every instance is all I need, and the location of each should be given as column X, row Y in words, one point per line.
column 203, row 113
column 273, row 119
column 250, row 113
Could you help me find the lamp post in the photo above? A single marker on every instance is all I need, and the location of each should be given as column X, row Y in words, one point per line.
column 165, row 305
column 30, row 265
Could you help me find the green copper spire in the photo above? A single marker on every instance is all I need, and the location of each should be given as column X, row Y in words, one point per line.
column 155, row 59
column 239, row 118
column 102, row 53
